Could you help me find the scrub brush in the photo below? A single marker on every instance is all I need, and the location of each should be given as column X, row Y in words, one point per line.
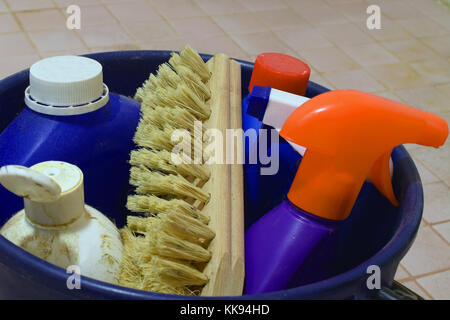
column 188, row 235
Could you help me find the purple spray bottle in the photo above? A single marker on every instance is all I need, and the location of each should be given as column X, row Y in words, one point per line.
column 348, row 135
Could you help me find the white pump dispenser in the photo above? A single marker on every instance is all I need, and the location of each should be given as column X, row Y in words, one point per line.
column 56, row 225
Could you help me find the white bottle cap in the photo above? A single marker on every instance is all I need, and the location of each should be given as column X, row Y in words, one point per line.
column 53, row 191
column 66, row 85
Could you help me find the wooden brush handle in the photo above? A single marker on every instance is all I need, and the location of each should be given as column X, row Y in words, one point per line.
column 237, row 185
column 218, row 269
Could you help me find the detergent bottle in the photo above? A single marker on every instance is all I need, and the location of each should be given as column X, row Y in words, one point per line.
column 71, row 116
column 348, row 135
column 56, row 225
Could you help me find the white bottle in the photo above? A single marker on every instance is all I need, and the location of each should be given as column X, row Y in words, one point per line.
column 56, row 225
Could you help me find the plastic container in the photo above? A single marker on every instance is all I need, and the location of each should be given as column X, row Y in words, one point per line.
column 95, row 136
column 56, row 225
column 381, row 234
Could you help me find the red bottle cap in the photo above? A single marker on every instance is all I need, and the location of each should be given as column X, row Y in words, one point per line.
column 281, row 72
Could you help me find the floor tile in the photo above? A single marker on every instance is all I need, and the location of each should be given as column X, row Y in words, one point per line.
column 430, row 8
column 337, row 3
column 319, row 79
column 281, row 19
column 409, row 50
column 303, row 38
column 440, row 44
column 438, row 285
column 118, row 47
column 19, row 63
column 390, row 30
column 116, row 1
column 429, row 253
column 357, row 79
column 400, row 10
column 422, row 27
column 56, row 40
column 171, row 9
column 222, row 44
column 344, row 34
column 443, row 20
column 401, row 273
column 66, row 3
column 437, row 202
column 328, row 59
column 147, row 31
column 218, row 7
column 425, row 174
column 444, row 230
column 369, row 54
column 13, row 44
column 241, row 23
column 436, row 160
column 412, row 285
column 175, row 44
column 320, row 15
column 397, row 75
column 51, row 19
column 3, row 7
column 436, row 70
column 94, row 16
column 8, row 24
column 21, row 5
column 134, row 11
column 75, row 52
column 196, row 27
column 388, row 94
column 444, row 88
column 426, row 98
column 104, row 36
column 353, row 11
column 261, row 5
column 257, row 43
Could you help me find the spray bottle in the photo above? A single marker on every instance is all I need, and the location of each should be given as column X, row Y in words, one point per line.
column 348, row 135
column 289, row 74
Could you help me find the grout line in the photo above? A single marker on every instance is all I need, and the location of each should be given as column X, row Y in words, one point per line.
column 439, row 222
column 430, row 296
column 22, row 29
column 423, row 275
column 102, row 4
column 438, row 234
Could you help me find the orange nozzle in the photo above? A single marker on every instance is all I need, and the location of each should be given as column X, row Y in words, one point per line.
column 348, row 135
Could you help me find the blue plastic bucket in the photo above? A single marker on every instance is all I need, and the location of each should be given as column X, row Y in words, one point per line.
column 375, row 234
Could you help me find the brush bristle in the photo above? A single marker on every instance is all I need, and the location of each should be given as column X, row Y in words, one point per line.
column 162, row 161
column 155, row 183
column 151, row 205
column 164, row 249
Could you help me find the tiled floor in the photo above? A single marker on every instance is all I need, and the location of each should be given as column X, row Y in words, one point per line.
column 407, row 60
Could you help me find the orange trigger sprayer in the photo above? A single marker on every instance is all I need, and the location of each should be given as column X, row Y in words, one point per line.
column 348, row 135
